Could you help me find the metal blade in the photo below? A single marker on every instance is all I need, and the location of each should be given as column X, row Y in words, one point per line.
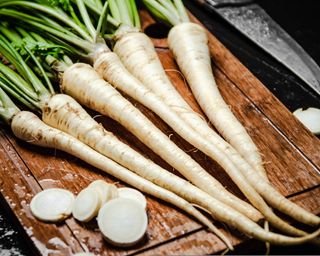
column 256, row 24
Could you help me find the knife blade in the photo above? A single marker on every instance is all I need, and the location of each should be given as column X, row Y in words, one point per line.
column 252, row 21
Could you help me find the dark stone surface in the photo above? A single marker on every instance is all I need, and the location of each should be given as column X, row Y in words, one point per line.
column 12, row 242
column 301, row 20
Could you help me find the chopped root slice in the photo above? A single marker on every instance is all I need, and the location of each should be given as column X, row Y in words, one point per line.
column 134, row 195
column 310, row 119
column 28, row 127
column 52, row 205
column 86, row 205
column 105, row 190
column 123, row 221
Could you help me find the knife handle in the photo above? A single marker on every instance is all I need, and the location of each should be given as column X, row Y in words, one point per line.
column 223, row 3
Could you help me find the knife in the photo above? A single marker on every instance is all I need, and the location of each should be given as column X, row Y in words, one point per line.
column 252, row 21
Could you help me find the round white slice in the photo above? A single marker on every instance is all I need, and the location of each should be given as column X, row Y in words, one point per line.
column 133, row 194
column 106, row 191
column 86, row 205
column 123, row 221
column 54, row 204
column 310, row 118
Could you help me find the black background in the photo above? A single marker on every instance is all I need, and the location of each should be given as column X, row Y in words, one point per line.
column 301, row 20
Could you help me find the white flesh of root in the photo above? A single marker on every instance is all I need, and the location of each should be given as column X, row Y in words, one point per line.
column 86, row 205
column 134, row 195
column 52, row 205
column 310, row 118
column 84, row 84
column 110, row 67
column 105, row 190
column 123, row 221
column 189, row 44
column 144, row 168
column 28, row 127
column 137, row 53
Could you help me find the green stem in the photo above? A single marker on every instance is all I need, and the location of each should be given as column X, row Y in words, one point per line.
column 169, row 6
column 11, row 77
column 83, row 44
column 126, row 16
column 75, row 17
column 102, row 19
column 55, row 12
column 7, row 108
column 11, row 35
column 43, row 73
column 93, row 6
column 161, row 12
column 86, row 18
column 24, row 70
column 181, row 10
column 29, row 103
column 113, row 21
column 115, row 12
column 134, row 10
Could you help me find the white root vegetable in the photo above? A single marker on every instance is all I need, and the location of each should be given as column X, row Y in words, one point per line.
column 52, row 205
column 137, row 53
column 123, row 221
column 28, row 127
column 105, row 190
column 134, row 195
column 86, row 205
column 189, row 44
column 109, row 65
column 84, row 84
column 195, row 63
column 310, row 118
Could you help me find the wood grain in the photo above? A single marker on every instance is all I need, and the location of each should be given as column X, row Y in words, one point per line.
column 291, row 156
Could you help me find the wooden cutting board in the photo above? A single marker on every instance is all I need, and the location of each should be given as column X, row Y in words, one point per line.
column 290, row 152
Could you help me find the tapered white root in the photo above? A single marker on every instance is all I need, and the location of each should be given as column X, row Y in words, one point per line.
column 192, row 55
column 111, row 68
column 84, row 84
column 188, row 42
column 30, row 128
column 137, row 53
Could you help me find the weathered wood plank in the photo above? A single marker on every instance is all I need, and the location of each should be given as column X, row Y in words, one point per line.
column 56, row 169
column 275, row 111
column 203, row 243
column 18, row 186
column 286, row 166
column 291, row 164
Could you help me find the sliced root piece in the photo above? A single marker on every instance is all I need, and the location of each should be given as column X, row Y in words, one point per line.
column 123, row 221
column 52, row 205
column 133, row 194
column 27, row 126
column 310, row 119
column 105, row 190
column 86, row 205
